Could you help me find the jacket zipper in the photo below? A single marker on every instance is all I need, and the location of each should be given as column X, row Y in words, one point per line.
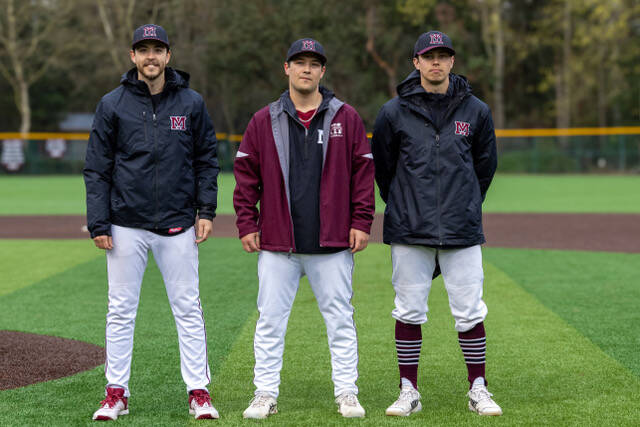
column 155, row 184
column 144, row 119
column 438, row 190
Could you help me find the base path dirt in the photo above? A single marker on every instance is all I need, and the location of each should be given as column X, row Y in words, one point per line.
column 587, row 232
column 28, row 358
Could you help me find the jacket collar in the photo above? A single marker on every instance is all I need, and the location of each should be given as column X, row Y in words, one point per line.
column 410, row 90
column 288, row 107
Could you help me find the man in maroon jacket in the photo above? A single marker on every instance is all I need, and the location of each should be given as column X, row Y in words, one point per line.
column 306, row 159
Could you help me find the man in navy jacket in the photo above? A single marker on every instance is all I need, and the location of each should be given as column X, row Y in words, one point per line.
column 435, row 156
column 151, row 166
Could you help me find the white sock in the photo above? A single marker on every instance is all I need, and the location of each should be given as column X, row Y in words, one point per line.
column 405, row 382
column 478, row 381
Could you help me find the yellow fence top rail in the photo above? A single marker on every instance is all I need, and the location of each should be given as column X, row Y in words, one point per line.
column 500, row 133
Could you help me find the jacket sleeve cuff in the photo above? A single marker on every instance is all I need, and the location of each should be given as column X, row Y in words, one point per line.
column 362, row 226
column 207, row 212
column 100, row 232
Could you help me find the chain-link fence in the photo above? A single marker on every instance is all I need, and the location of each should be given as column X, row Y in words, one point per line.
column 518, row 152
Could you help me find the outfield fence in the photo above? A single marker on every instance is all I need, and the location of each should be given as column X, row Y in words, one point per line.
column 572, row 150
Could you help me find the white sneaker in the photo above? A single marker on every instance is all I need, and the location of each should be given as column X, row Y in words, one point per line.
column 262, row 405
column 200, row 405
column 480, row 401
column 408, row 403
column 349, row 406
column 113, row 405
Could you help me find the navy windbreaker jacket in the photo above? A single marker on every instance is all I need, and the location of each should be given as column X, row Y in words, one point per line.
column 146, row 169
column 433, row 171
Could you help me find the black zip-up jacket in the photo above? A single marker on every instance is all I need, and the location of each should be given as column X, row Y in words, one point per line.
column 150, row 169
column 435, row 158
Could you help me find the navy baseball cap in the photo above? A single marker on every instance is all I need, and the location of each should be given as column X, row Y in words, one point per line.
column 150, row 32
column 432, row 40
column 306, row 46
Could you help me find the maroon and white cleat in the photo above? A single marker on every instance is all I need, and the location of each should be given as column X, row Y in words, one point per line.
column 200, row 405
column 112, row 406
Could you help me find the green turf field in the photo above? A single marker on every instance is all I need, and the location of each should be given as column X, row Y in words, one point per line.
column 60, row 195
column 562, row 340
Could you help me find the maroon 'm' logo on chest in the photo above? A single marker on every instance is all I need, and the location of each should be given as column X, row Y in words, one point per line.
column 462, row 128
column 178, row 122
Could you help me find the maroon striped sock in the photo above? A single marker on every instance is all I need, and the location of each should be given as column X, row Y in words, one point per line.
column 474, row 346
column 408, row 344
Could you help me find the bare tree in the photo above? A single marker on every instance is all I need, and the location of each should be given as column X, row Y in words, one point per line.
column 389, row 69
column 117, row 23
column 493, row 39
column 32, row 39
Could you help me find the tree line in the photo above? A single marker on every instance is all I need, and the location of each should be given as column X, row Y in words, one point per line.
column 537, row 63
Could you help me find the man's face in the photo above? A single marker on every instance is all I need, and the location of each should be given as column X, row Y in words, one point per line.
column 305, row 72
column 434, row 65
column 150, row 58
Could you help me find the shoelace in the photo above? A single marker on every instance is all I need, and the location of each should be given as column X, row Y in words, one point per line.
column 111, row 400
column 349, row 399
column 260, row 400
column 405, row 394
column 482, row 393
column 202, row 398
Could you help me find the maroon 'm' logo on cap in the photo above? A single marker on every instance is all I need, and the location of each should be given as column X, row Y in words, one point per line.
column 149, row 32
column 436, row 38
column 308, row 45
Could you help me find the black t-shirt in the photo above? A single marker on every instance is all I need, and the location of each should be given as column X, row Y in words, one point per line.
column 305, row 172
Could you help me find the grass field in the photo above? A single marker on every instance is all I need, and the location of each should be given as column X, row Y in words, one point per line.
column 64, row 195
column 557, row 354
column 562, row 327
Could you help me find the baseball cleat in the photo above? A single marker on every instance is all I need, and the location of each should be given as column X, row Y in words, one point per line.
column 480, row 401
column 112, row 406
column 200, row 405
column 262, row 405
column 408, row 403
column 349, row 406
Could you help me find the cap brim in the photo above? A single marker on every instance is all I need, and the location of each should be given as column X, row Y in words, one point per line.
column 149, row 39
column 451, row 51
column 322, row 58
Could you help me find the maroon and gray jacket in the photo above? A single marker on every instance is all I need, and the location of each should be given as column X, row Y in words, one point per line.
column 261, row 170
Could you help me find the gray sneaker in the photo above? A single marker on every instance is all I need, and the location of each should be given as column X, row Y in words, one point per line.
column 349, row 406
column 261, row 406
column 408, row 403
column 480, row 401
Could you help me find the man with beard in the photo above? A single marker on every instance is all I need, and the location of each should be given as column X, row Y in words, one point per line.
column 306, row 160
column 151, row 166
column 434, row 150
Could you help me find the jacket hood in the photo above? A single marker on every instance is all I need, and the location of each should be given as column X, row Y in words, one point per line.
column 173, row 79
column 458, row 86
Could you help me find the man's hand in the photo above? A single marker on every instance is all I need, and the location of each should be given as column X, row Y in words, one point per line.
column 203, row 229
column 103, row 242
column 358, row 240
column 251, row 242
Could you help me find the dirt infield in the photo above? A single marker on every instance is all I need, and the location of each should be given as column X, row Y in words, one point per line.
column 29, row 358
column 588, row 232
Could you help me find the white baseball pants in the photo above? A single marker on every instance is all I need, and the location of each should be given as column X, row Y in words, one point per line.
column 279, row 276
column 463, row 276
column 177, row 259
